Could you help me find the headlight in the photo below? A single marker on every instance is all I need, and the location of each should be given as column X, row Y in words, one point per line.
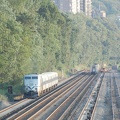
column 36, row 89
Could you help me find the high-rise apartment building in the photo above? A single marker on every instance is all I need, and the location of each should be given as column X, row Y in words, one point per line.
column 68, row 5
column 75, row 6
column 86, row 7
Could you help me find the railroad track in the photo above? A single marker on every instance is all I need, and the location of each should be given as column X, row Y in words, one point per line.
column 74, row 115
column 62, row 109
column 72, row 102
column 90, row 107
column 115, row 99
column 107, row 105
column 62, row 103
column 14, row 114
column 5, row 109
column 11, row 109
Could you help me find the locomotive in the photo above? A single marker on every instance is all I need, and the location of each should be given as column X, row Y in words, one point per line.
column 37, row 84
column 95, row 69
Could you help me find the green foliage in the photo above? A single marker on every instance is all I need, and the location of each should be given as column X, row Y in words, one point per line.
column 110, row 6
column 35, row 37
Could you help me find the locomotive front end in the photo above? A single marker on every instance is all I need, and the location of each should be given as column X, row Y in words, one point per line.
column 30, row 85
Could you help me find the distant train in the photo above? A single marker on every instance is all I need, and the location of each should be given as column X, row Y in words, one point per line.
column 37, row 84
column 95, row 69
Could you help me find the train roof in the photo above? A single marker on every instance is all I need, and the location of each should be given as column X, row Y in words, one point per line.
column 31, row 74
column 46, row 73
column 50, row 73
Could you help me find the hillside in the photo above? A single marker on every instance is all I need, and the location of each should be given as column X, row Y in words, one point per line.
column 110, row 6
column 35, row 37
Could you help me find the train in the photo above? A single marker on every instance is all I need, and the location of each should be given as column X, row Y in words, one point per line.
column 95, row 69
column 37, row 84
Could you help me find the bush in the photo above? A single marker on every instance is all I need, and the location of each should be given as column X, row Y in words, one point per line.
column 2, row 97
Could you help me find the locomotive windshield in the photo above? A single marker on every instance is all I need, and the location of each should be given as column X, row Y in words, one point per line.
column 27, row 77
column 35, row 77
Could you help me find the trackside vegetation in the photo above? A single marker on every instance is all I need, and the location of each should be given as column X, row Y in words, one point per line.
column 35, row 38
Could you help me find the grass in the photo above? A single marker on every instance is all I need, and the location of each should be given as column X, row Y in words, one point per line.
column 3, row 95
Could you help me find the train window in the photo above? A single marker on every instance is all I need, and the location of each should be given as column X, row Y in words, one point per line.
column 27, row 77
column 35, row 77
